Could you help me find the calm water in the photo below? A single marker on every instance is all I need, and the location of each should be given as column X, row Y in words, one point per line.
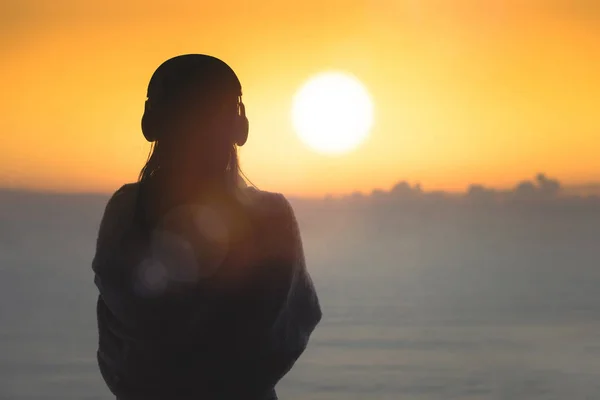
column 443, row 305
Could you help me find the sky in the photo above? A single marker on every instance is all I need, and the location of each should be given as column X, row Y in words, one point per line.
column 464, row 92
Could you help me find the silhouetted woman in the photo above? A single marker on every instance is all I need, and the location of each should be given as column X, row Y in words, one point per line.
column 204, row 292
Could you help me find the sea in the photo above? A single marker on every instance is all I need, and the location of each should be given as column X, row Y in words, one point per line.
column 422, row 300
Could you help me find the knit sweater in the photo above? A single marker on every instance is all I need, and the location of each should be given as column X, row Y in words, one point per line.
column 215, row 302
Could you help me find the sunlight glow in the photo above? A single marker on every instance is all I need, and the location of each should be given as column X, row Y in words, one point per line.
column 332, row 113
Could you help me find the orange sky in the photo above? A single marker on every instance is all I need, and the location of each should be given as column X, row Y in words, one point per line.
column 464, row 91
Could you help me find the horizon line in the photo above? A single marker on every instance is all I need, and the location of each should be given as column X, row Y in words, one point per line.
column 593, row 186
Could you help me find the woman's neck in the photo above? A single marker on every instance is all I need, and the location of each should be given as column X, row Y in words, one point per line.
column 189, row 185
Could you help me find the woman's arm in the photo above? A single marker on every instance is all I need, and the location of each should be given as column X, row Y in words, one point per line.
column 284, row 303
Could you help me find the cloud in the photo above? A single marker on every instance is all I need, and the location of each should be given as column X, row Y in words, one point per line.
column 541, row 189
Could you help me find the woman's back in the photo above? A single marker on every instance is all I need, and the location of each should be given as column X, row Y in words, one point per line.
column 213, row 301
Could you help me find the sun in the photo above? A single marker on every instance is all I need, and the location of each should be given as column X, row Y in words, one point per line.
column 332, row 113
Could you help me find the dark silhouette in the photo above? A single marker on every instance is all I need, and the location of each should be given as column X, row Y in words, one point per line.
column 204, row 291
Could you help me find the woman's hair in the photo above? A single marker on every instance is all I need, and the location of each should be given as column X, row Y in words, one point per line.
column 232, row 173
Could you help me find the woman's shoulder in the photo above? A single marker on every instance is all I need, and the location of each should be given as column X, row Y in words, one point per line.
column 123, row 199
column 267, row 203
column 126, row 191
column 275, row 217
column 120, row 205
column 117, row 216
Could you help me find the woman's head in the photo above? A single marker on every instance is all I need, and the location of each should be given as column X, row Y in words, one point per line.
column 194, row 117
